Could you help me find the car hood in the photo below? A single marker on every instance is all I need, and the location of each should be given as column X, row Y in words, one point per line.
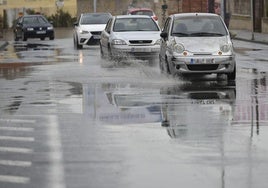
column 93, row 27
column 202, row 44
column 138, row 35
column 37, row 25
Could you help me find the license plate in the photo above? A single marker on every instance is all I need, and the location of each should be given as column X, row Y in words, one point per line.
column 41, row 32
column 96, row 36
column 202, row 61
column 204, row 102
column 140, row 50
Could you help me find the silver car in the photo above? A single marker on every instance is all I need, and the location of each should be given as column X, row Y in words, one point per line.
column 130, row 37
column 196, row 43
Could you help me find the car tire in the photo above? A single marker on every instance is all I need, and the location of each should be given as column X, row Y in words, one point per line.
column 42, row 38
column 51, row 38
column 101, row 53
column 167, row 66
column 23, row 37
column 16, row 38
column 76, row 44
column 232, row 75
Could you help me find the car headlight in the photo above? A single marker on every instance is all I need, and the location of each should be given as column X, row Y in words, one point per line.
column 178, row 48
column 158, row 42
column 225, row 48
column 83, row 32
column 50, row 28
column 30, row 29
column 118, row 42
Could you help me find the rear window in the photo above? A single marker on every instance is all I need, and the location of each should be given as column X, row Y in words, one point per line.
column 135, row 24
column 88, row 19
column 142, row 12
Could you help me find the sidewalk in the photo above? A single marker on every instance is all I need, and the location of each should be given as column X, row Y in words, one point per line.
column 247, row 36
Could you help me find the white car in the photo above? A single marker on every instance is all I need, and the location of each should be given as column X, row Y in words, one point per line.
column 131, row 37
column 197, row 43
column 88, row 28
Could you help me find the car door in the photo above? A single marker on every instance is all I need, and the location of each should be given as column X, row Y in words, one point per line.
column 105, row 35
column 164, row 40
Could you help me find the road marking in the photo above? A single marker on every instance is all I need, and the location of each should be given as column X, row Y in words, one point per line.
column 56, row 175
column 15, row 163
column 18, row 121
column 14, row 179
column 24, row 129
column 15, row 150
column 17, row 138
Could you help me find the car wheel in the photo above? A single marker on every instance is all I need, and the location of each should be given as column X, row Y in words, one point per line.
column 232, row 75
column 76, row 44
column 101, row 53
column 16, row 38
column 167, row 66
column 24, row 38
column 42, row 38
column 51, row 38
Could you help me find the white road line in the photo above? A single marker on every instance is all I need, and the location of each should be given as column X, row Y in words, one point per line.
column 16, row 150
column 17, row 138
column 14, row 179
column 15, row 163
column 18, row 121
column 23, row 129
column 56, row 174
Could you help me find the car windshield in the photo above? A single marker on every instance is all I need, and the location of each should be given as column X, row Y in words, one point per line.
column 88, row 19
column 142, row 12
column 135, row 24
column 34, row 20
column 198, row 27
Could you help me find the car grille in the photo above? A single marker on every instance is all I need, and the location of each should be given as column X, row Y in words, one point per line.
column 96, row 32
column 202, row 67
column 140, row 41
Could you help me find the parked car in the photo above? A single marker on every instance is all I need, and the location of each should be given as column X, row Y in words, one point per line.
column 197, row 43
column 142, row 11
column 130, row 36
column 88, row 28
column 33, row 26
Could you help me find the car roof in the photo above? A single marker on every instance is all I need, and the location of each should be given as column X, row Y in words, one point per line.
column 95, row 13
column 132, row 16
column 178, row 15
column 32, row 15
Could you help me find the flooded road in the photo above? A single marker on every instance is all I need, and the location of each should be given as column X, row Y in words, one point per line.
column 70, row 119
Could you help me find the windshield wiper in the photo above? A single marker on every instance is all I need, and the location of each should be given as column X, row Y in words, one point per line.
column 178, row 34
column 206, row 34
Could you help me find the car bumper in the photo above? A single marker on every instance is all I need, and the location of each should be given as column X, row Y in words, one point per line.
column 88, row 39
column 222, row 64
column 39, row 34
column 139, row 52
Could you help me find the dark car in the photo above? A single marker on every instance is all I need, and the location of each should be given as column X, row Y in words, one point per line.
column 33, row 26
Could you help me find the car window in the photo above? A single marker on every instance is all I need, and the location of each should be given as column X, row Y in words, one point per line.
column 198, row 26
column 142, row 12
column 135, row 24
column 167, row 25
column 34, row 20
column 108, row 26
column 88, row 19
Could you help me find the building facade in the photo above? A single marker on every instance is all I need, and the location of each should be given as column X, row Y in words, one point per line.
column 12, row 8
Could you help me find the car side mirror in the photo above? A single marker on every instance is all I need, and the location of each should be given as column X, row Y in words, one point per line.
column 164, row 35
column 75, row 24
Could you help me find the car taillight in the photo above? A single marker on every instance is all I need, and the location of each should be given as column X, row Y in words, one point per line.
column 155, row 18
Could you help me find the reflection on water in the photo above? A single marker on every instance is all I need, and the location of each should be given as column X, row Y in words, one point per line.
column 198, row 109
